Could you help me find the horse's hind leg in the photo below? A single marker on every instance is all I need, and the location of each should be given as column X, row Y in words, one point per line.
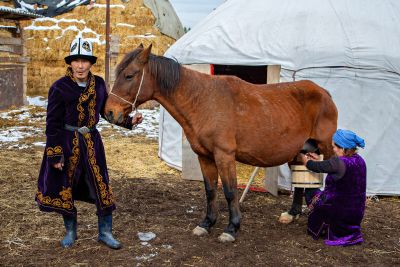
column 227, row 170
column 210, row 176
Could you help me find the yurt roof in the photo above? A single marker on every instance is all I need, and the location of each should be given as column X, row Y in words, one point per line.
column 296, row 34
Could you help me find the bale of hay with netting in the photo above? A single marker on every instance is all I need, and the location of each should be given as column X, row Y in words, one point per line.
column 47, row 39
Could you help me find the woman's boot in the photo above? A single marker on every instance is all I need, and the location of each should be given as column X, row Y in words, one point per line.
column 105, row 232
column 296, row 208
column 70, row 224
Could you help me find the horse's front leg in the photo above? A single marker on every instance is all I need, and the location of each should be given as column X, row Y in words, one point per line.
column 227, row 170
column 210, row 176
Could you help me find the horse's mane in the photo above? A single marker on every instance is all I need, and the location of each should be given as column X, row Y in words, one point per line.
column 166, row 71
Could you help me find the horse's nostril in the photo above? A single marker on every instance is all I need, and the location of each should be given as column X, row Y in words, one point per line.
column 120, row 118
column 110, row 116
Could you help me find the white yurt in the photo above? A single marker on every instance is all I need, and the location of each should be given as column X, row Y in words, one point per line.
column 351, row 48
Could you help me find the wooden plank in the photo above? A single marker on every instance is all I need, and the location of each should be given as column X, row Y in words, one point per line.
column 272, row 173
column 190, row 162
column 15, row 49
column 10, row 41
column 11, row 66
column 273, row 73
column 8, row 20
column 14, row 59
column 271, row 180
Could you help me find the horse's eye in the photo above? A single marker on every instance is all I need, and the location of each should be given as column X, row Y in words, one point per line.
column 129, row 77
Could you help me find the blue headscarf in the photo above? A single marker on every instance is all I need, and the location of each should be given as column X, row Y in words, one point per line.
column 347, row 139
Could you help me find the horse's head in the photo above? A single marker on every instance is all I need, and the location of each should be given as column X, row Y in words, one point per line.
column 132, row 86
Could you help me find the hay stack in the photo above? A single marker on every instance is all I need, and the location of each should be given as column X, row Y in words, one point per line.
column 47, row 40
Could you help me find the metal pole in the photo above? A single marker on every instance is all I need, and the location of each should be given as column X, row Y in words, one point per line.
column 107, row 60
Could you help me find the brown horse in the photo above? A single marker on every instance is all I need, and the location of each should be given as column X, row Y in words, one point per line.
column 226, row 119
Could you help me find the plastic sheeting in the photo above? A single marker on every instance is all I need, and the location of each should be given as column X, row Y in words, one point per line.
column 170, row 140
column 348, row 47
column 52, row 7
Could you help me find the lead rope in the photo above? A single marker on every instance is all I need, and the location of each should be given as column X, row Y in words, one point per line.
column 137, row 94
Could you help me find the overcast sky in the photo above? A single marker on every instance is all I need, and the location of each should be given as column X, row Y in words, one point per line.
column 192, row 11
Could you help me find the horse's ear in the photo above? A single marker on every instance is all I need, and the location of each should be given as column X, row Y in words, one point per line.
column 140, row 46
column 143, row 56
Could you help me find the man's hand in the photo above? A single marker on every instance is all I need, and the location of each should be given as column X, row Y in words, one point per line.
column 58, row 166
column 137, row 118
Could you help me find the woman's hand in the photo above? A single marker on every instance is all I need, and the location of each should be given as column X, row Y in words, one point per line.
column 312, row 156
column 309, row 156
column 303, row 158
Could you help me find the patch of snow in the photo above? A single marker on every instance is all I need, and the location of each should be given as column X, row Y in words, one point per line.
column 42, row 28
column 149, row 126
column 13, row 134
column 39, row 101
column 111, row 6
column 43, row 144
column 146, row 244
column 167, row 246
column 141, row 36
column 146, row 257
column 126, row 25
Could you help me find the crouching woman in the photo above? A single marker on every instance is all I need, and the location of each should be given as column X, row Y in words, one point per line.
column 337, row 211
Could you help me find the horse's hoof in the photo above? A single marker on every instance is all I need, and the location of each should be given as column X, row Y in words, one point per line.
column 199, row 231
column 225, row 237
column 286, row 218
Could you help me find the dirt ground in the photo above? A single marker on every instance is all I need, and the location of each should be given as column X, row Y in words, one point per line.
column 154, row 198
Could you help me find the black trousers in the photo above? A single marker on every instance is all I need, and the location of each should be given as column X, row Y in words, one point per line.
column 298, row 195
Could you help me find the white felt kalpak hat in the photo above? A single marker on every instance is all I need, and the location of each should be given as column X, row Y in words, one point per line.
column 81, row 48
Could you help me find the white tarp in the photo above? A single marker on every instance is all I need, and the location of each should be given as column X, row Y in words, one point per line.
column 351, row 48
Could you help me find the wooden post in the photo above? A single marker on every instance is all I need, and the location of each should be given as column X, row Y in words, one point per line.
column 190, row 164
column 272, row 173
column 107, row 58
column 114, row 51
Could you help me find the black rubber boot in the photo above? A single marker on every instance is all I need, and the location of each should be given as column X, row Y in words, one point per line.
column 297, row 203
column 70, row 224
column 105, row 232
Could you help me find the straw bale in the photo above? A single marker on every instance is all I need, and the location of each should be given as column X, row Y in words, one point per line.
column 5, row 33
column 65, row 24
column 47, row 49
column 142, row 20
column 45, row 23
column 7, row 4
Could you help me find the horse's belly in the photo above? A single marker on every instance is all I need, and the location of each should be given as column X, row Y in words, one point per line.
column 267, row 152
column 265, row 159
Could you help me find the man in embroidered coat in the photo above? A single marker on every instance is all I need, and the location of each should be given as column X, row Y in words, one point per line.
column 74, row 164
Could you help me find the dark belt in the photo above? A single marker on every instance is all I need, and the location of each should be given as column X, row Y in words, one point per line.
column 81, row 130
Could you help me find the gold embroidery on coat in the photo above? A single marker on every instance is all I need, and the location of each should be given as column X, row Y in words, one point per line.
column 106, row 196
column 74, row 158
column 85, row 96
column 56, row 151
column 65, row 202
